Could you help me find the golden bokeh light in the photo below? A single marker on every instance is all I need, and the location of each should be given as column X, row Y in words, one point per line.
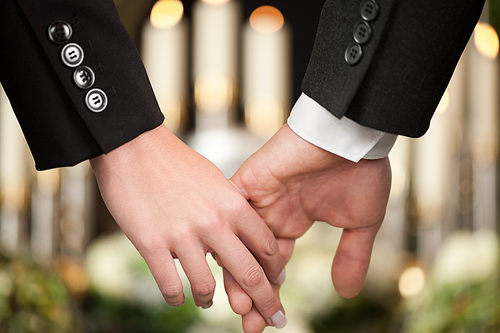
column 412, row 282
column 486, row 40
column 264, row 116
column 213, row 92
column 166, row 13
column 267, row 19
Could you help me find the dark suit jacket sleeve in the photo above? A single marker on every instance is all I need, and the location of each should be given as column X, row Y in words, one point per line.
column 58, row 126
column 405, row 66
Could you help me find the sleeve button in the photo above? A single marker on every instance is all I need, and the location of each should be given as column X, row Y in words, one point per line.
column 84, row 77
column 369, row 10
column 72, row 55
column 353, row 54
column 60, row 32
column 362, row 32
column 96, row 100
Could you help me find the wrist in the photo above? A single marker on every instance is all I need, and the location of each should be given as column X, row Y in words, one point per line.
column 133, row 151
column 301, row 155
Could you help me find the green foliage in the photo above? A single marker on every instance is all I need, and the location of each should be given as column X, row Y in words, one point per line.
column 470, row 308
column 360, row 314
column 33, row 300
column 105, row 315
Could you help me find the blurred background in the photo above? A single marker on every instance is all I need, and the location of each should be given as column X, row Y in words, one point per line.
column 226, row 74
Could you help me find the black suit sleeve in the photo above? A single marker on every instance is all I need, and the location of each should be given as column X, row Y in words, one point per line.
column 58, row 125
column 404, row 67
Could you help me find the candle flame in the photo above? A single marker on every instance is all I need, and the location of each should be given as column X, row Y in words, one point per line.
column 486, row 40
column 267, row 19
column 166, row 13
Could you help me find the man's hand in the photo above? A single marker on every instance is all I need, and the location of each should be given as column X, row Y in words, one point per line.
column 173, row 203
column 292, row 183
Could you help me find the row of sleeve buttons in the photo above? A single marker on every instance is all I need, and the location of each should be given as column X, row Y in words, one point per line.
column 362, row 32
column 72, row 55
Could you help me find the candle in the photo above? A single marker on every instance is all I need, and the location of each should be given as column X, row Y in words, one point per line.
column 484, row 123
column 44, row 216
column 77, row 209
column 13, row 152
column 215, row 50
column 164, row 52
column 266, row 68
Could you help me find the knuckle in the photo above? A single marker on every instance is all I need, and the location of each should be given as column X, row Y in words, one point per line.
column 271, row 306
column 253, row 277
column 213, row 221
column 204, row 289
column 171, row 293
column 151, row 244
column 270, row 247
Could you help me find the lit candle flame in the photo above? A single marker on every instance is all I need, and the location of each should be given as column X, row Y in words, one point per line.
column 166, row 13
column 486, row 40
column 267, row 19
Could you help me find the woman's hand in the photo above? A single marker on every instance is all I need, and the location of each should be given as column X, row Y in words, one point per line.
column 172, row 203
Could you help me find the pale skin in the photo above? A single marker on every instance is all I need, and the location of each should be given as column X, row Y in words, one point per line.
column 291, row 184
column 172, row 203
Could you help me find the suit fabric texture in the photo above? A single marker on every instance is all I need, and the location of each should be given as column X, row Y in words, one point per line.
column 58, row 126
column 408, row 57
column 405, row 65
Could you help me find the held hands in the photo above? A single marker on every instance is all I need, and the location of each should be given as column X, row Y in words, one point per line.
column 291, row 183
column 173, row 203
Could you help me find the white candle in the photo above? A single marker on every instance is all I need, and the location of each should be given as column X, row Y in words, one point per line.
column 77, row 209
column 436, row 160
column 45, row 216
column 164, row 52
column 13, row 152
column 215, row 54
column 484, row 123
column 266, row 68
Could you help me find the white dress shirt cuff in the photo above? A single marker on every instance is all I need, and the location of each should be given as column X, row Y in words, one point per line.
column 342, row 137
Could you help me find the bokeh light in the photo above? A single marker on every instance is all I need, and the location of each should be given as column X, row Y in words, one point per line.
column 213, row 92
column 267, row 19
column 412, row 282
column 486, row 40
column 167, row 13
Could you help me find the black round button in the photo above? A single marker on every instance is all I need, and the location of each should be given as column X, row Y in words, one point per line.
column 84, row 77
column 353, row 54
column 369, row 10
column 60, row 32
column 362, row 32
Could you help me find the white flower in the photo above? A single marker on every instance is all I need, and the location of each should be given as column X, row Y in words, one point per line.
column 467, row 257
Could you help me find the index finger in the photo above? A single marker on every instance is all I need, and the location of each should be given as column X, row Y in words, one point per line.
column 245, row 269
column 260, row 240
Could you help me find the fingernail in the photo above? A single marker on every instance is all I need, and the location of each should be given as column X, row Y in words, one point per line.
column 279, row 319
column 282, row 277
column 207, row 306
